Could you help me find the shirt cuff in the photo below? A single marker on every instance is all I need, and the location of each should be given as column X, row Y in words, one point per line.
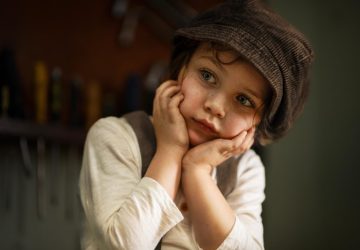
column 234, row 238
column 239, row 238
column 163, row 199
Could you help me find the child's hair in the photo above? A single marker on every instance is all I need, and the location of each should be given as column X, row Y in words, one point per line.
column 260, row 36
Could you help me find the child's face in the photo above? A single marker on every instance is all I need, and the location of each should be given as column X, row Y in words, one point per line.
column 221, row 100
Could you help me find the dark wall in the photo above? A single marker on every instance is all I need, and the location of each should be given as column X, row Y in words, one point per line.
column 313, row 174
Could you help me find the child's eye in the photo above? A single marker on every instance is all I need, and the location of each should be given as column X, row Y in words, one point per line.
column 207, row 76
column 244, row 100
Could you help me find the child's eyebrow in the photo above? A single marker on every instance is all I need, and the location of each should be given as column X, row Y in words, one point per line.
column 253, row 93
column 215, row 62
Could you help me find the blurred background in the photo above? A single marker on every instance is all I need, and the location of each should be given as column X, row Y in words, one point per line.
column 64, row 64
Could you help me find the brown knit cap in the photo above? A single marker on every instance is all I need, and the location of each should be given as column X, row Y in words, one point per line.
column 280, row 52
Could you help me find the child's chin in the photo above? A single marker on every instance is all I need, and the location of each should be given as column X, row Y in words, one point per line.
column 196, row 140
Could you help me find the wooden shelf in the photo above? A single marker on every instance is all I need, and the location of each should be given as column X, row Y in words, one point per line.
column 57, row 133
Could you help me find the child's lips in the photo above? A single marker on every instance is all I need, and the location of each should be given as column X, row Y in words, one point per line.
column 206, row 126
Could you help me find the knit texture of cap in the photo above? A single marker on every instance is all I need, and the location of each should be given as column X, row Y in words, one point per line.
column 280, row 52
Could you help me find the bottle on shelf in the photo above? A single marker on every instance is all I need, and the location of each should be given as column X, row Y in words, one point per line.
column 41, row 92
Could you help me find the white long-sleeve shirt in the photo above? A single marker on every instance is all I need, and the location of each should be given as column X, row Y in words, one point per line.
column 126, row 211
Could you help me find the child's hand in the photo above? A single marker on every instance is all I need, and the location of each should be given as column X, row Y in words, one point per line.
column 169, row 124
column 210, row 154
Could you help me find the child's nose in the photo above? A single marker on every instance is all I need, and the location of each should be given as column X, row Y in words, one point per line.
column 215, row 104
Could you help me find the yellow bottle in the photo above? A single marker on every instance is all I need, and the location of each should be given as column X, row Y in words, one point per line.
column 41, row 92
column 93, row 102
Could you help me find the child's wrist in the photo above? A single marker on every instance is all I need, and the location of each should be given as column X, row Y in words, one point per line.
column 189, row 167
column 171, row 152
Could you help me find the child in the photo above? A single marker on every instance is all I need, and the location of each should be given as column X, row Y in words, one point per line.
column 239, row 75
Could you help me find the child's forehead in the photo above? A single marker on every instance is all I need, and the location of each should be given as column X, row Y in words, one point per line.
column 209, row 51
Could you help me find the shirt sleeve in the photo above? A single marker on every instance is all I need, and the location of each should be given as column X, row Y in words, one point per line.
column 123, row 210
column 246, row 201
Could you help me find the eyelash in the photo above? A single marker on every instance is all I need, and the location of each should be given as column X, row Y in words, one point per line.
column 251, row 102
column 205, row 71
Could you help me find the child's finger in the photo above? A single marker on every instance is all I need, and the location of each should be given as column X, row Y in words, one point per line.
column 174, row 106
column 167, row 94
column 175, row 100
column 164, row 86
column 163, row 99
column 219, row 150
column 228, row 146
column 239, row 140
column 239, row 144
column 249, row 137
column 158, row 103
column 246, row 143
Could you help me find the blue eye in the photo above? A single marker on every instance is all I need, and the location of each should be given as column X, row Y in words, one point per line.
column 243, row 100
column 207, row 76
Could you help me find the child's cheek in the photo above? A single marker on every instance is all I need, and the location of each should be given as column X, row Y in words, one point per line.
column 192, row 96
column 182, row 107
column 186, row 107
column 234, row 127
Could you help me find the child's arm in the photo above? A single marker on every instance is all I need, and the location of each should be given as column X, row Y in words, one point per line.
column 213, row 218
column 123, row 210
column 171, row 138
